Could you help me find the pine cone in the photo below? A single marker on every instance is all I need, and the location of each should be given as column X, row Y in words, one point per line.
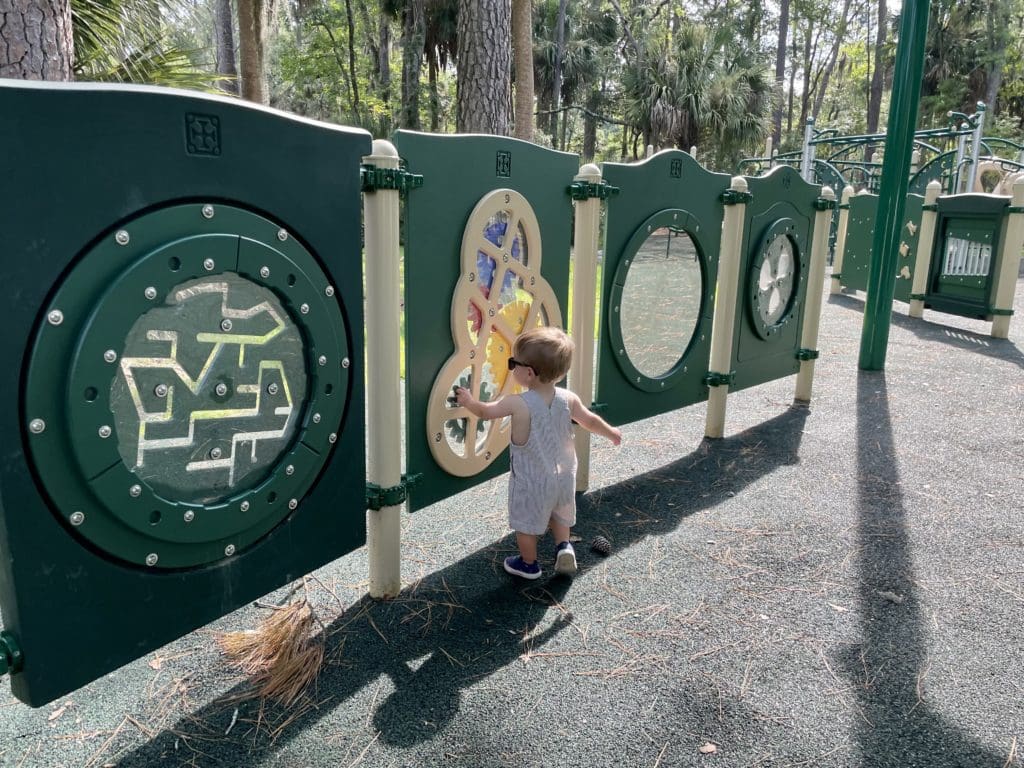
column 601, row 545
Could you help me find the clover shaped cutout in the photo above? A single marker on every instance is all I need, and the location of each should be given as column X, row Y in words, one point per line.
column 500, row 293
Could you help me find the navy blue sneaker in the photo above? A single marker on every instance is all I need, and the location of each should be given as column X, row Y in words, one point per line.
column 565, row 559
column 519, row 567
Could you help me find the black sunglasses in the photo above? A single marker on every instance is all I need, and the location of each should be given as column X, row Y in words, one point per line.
column 512, row 363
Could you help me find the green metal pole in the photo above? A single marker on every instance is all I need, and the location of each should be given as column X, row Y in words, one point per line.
column 899, row 146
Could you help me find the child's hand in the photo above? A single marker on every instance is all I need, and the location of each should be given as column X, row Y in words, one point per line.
column 463, row 396
column 615, row 436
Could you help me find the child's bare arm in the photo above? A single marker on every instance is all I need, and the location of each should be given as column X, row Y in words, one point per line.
column 494, row 409
column 591, row 422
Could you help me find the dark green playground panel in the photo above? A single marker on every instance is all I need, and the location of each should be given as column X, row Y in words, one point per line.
column 968, row 232
column 457, row 172
column 183, row 286
column 669, row 191
column 776, row 244
column 860, row 233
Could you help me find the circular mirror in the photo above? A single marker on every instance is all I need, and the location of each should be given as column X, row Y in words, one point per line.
column 661, row 301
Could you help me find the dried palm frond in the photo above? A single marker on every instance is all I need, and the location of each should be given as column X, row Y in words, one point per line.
column 281, row 657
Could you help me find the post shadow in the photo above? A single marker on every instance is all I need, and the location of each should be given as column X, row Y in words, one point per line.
column 902, row 729
column 477, row 614
column 929, row 330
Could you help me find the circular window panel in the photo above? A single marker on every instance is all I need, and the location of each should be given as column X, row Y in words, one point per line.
column 187, row 385
column 774, row 278
column 657, row 300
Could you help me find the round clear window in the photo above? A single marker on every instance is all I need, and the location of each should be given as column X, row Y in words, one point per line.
column 661, row 300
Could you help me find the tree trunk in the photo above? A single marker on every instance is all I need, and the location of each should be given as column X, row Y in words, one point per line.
column 484, row 70
column 878, row 76
column 998, row 28
column 780, row 72
column 384, row 63
column 434, row 98
column 833, row 57
column 556, row 85
column 251, row 48
column 223, row 32
column 352, row 57
column 414, row 30
column 522, row 56
column 36, row 40
column 590, row 124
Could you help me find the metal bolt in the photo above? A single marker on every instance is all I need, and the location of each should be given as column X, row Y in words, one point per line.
column 229, row 550
column 77, row 518
column 56, row 317
column 110, row 355
column 304, row 309
column 329, row 290
column 487, row 456
column 150, row 293
column 221, row 389
column 244, row 506
column 104, row 431
column 122, row 237
column 282, row 235
column 208, row 265
column 289, row 470
column 36, row 426
column 316, row 418
column 322, row 359
column 332, row 438
column 215, row 453
column 345, row 363
column 208, row 211
column 189, row 516
column 160, row 390
column 225, row 324
column 264, row 272
column 151, row 558
column 293, row 503
column 272, row 388
column 135, row 491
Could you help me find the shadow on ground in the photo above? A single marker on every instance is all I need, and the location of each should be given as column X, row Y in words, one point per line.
column 897, row 729
column 928, row 330
column 461, row 624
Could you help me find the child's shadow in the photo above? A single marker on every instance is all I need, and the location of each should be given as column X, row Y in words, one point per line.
column 463, row 623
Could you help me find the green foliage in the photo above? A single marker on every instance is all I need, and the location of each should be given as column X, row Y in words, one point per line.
column 127, row 41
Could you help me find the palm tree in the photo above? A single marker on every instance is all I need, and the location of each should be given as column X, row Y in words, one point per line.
column 700, row 87
column 124, row 41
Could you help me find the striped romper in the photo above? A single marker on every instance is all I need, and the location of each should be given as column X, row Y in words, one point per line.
column 542, row 476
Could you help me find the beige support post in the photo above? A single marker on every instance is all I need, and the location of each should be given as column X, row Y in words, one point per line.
column 584, row 287
column 1009, row 267
column 383, row 387
column 725, row 307
column 844, row 223
column 812, row 306
column 925, row 245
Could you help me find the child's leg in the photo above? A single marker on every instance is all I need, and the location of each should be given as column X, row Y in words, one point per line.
column 559, row 530
column 527, row 546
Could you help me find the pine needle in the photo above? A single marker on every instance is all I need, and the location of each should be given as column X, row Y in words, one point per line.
column 280, row 657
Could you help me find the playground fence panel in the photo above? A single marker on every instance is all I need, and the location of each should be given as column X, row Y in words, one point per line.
column 664, row 229
column 856, row 262
column 184, row 352
column 775, row 258
column 487, row 244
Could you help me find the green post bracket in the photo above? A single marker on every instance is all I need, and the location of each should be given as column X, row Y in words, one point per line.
column 377, row 498
column 824, row 204
column 733, row 197
column 373, row 179
column 918, row 296
column 1001, row 312
column 11, row 657
column 715, row 379
column 586, row 190
column 806, row 354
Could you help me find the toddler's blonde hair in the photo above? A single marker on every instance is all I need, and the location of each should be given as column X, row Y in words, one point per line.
column 548, row 350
